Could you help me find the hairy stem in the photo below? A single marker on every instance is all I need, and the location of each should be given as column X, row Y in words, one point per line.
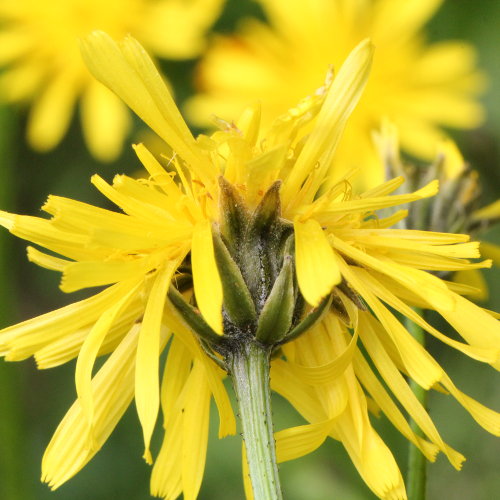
column 249, row 367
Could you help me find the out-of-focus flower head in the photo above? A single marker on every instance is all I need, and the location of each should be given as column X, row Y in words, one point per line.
column 42, row 65
column 458, row 207
column 238, row 240
column 420, row 87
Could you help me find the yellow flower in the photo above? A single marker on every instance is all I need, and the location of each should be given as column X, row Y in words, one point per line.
column 419, row 87
column 163, row 251
column 42, row 63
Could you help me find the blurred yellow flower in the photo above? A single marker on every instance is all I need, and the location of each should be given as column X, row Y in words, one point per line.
column 165, row 249
column 420, row 87
column 43, row 67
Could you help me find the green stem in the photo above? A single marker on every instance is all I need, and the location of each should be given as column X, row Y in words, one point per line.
column 249, row 367
column 12, row 378
column 417, row 464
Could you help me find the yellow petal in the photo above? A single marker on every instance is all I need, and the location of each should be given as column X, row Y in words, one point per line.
column 384, row 189
column 90, row 348
column 422, row 237
column 429, row 262
column 485, row 417
column 490, row 251
column 51, row 113
column 377, row 203
column 370, row 455
column 284, row 382
column 22, row 81
column 195, row 431
column 151, row 214
column 207, row 284
column 426, row 285
column 44, row 233
column 175, row 375
column 488, row 355
column 468, row 250
column 78, row 275
column 20, row 341
column 105, row 121
column 160, row 176
column 377, row 391
column 454, row 163
column 147, row 385
column 385, row 222
column 474, row 282
column 129, row 72
column 113, row 389
column 180, row 463
column 400, row 388
column 328, row 372
column 45, row 260
column 339, row 103
column 491, row 211
column 324, row 343
column 14, row 44
column 410, row 15
column 377, row 466
column 317, row 271
column 419, row 363
column 67, row 347
column 301, row 440
column 474, row 324
column 214, row 375
column 166, row 476
column 185, row 23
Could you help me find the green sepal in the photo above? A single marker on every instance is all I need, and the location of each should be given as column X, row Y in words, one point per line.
column 338, row 308
column 268, row 210
column 238, row 303
column 277, row 314
column 308, row 322
column 208, row 351
column 233, row 215
column 193, row 318
column 358, row 301
column 261, row 245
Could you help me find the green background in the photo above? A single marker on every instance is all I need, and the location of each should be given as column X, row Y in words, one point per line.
column 33, row 402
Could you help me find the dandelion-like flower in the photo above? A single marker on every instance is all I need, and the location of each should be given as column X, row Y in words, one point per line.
column 420, row 87
column 42, row 64
column 236, row 250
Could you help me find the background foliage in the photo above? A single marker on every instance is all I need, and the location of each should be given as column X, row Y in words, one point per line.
column 32, row 403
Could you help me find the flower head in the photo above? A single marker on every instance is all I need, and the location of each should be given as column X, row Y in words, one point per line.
column 235, row 239
column 43, row 65
column 419, row 87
